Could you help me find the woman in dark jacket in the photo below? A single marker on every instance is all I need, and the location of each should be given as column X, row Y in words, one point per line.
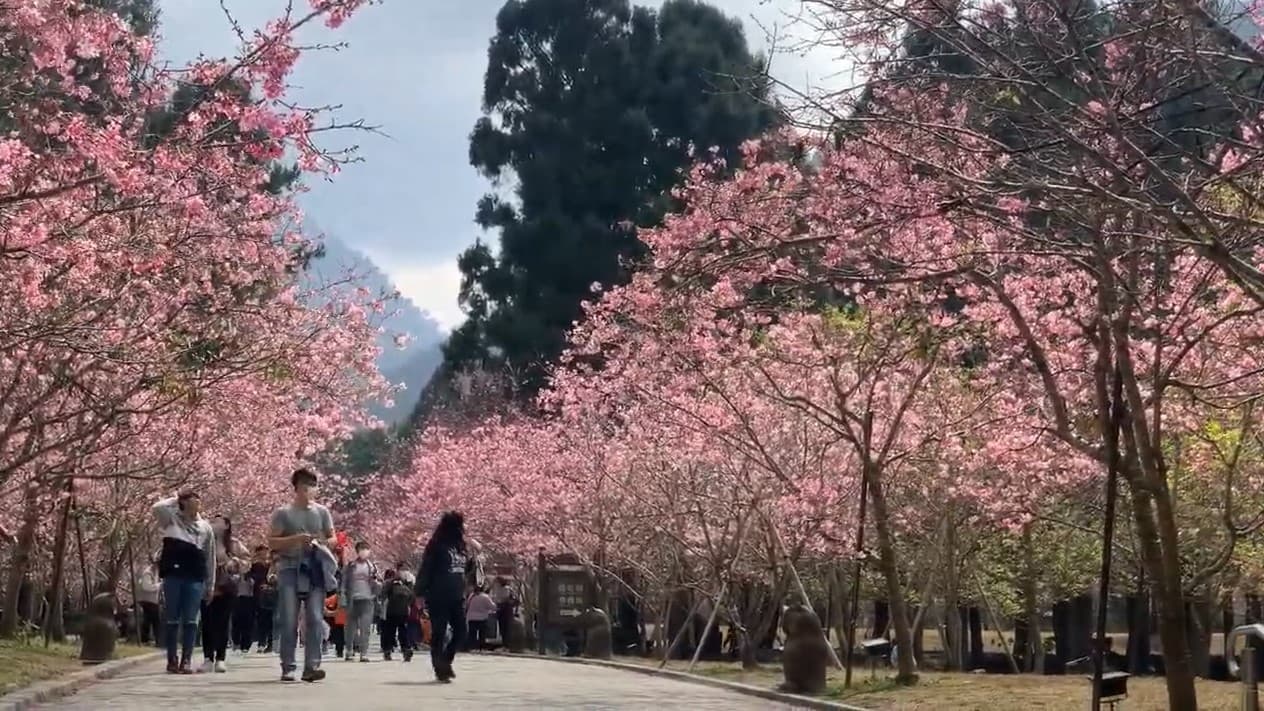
column 445, row 565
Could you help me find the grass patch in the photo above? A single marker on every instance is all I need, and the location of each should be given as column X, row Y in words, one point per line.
column 940, row 691
column 23, row 664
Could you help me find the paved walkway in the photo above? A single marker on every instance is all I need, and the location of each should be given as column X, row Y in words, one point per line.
column 485, row 682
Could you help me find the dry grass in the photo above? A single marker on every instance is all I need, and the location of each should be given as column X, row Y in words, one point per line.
column 973, row 692
column 22, row 664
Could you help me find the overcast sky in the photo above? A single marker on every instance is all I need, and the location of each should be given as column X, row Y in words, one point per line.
column 415, row 68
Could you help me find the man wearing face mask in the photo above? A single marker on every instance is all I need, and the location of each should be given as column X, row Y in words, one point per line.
column 360, row 583
column 295, row 533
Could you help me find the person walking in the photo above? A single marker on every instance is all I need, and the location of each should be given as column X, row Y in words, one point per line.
column 217, row 615
column 299, row 532
column 336, row 617
column 423, row 623
column 265, row 621
column 413, row 622
column 503, row 595
column 445, row 566
column 477, row 611
column 187, row 568
column 360, row 586
column 249, row 589
column 398, row 596
column 242, row 629
column 418, row 625
column 148, row 590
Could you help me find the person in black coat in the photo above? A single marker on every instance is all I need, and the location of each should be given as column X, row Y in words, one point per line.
column 445, row 567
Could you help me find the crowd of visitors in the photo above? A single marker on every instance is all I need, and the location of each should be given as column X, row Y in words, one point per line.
column 308, row 586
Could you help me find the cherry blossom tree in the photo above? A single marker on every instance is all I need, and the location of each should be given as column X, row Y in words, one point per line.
column 1063, row 303
column 153, row 318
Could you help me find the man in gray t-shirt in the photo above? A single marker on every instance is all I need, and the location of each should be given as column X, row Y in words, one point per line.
column 295, row 528
column 313, row 520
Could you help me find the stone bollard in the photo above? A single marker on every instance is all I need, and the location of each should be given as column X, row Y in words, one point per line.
column 100, row 631
column 515, row 635
column 1250, row 688
column 597, row 635
column 806, row 653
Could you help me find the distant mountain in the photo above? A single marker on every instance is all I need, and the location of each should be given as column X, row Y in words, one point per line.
column 425, row 361
column 412, row 365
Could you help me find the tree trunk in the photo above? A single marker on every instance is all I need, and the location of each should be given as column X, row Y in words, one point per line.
column 1082, row 626
column 1000, row 631
column 1062, row 631
column 881, row 618
column 1139, row 633
column 952, row 616
column 20, row 561
column 55, row 621
column 890, row 574
column 975, row 621
column 1034, row 650
column 1022, row 651
column 919, row 632
column 839, row 612
column 1198, row 619
column 1227, row 621
column 1156, row 532
column 766, row 615
column 919, row 619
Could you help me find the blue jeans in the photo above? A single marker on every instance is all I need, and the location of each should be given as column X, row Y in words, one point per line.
column 291, row 590
column 183, row 600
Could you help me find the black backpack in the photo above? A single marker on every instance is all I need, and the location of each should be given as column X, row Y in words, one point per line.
column 398, row 598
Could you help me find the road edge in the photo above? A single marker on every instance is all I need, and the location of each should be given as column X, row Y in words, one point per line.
column 795, row 700
column 43, row 692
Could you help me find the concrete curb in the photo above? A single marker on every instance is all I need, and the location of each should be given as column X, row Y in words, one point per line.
column 51, row 690
column 804, row 702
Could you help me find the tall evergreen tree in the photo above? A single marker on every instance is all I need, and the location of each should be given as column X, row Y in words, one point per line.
column 591, row 108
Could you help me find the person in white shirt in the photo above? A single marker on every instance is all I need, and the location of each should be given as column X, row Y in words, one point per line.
column 477, row 609
column 187, row 568
column 503, row 596
column 148, row 590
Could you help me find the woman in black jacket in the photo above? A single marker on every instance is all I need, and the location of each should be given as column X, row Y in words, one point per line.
column 445, row 564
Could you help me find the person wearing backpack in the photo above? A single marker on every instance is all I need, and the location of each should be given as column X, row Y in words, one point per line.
column 399, row 598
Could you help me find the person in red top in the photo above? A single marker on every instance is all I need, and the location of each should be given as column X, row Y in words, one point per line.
column 336, row 616
column 335, row 613
column 418, row 625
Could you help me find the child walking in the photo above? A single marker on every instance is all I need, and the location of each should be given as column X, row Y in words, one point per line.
column 336, row 616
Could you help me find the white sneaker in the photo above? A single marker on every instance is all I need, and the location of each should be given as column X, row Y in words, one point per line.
column 364, row 657
column 221, row 667
column 207, row 667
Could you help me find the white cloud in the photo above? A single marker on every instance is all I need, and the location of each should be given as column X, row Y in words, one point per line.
column 422, row 172
column 432, row 287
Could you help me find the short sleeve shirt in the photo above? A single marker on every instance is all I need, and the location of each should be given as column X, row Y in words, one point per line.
column 314, row 520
